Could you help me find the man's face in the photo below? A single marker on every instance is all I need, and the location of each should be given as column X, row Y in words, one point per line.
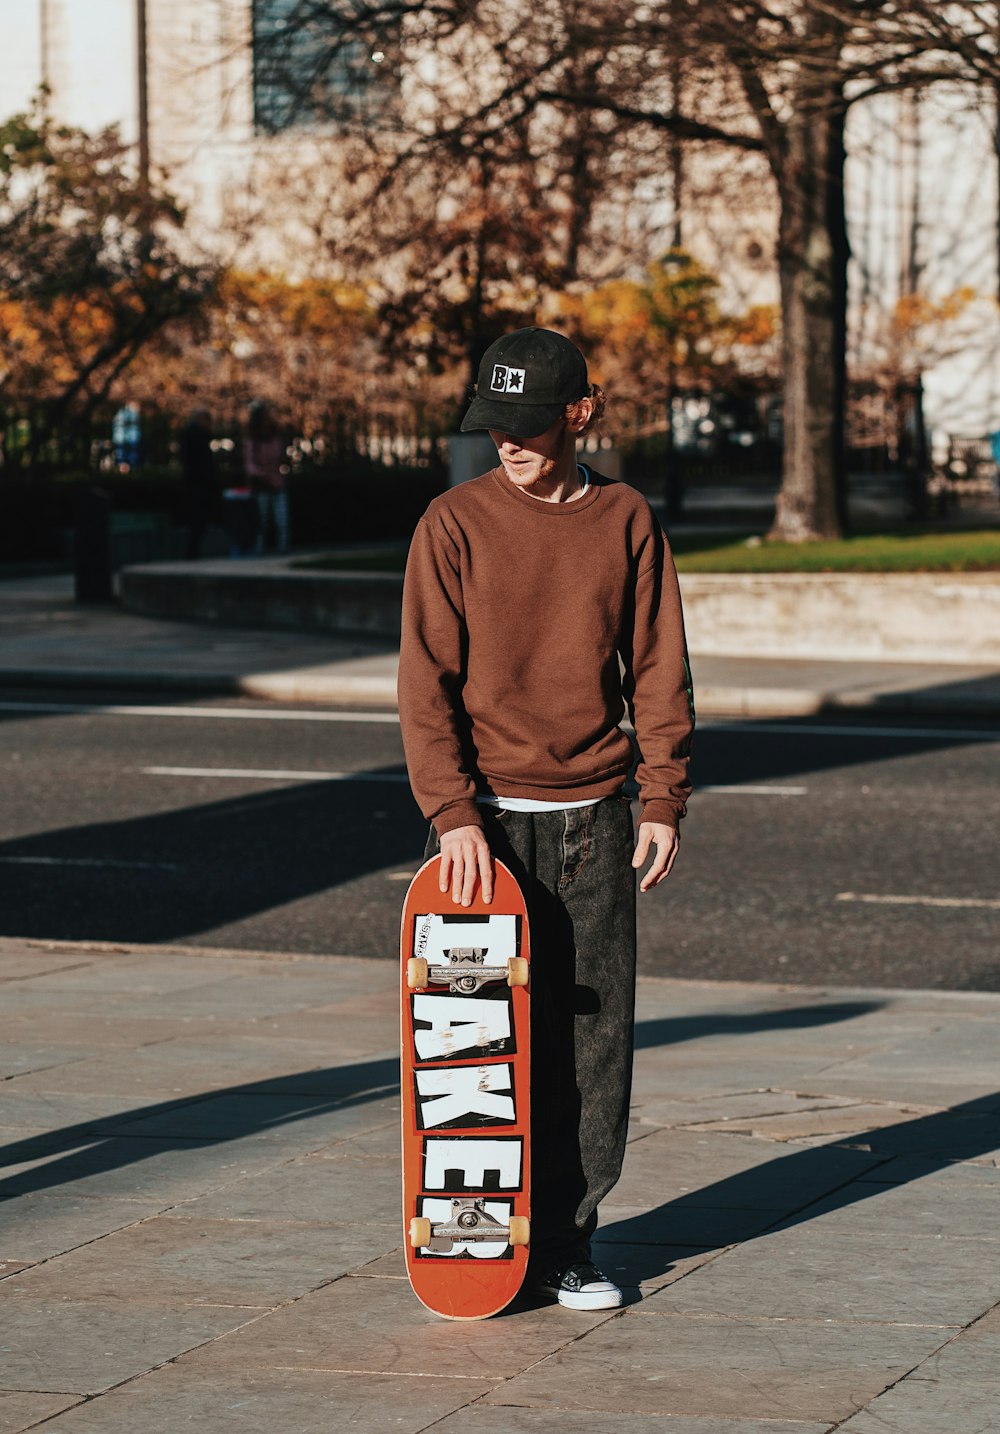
column 531, row 462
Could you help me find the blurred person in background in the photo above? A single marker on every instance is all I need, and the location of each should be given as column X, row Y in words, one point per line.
column 126, row 437
column 198, row 477
column 265, row 455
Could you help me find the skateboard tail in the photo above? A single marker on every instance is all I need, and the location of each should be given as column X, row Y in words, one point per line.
column 440, row 1309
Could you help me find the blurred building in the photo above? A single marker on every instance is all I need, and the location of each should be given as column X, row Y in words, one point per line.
column 219, row 97
column 923, row 199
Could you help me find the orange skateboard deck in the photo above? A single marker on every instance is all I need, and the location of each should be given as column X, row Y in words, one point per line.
column 464, row 1076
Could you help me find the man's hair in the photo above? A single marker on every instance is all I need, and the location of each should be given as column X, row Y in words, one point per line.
column 599, row 399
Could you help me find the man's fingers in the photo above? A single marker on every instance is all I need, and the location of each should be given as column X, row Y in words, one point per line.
column 667, row 842
column 465, row 859
column 469, row 875
column 444, row 877
column 486, row 873
column 642, row 846
column 458, row 876
column 656, row 872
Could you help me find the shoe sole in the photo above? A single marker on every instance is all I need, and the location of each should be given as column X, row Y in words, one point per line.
column 590, row 1302
column 604, row 1300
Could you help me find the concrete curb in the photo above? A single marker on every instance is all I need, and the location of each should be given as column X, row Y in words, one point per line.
column 805, row 702
column 357, row 690
column 346, row 690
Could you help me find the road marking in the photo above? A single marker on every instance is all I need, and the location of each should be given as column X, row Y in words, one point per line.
column 748, row 791
column 942, row 734
column 985, row 902
column 90, row 861
column 745, row 725
column 274, row 714
column 274, row 774
column 282, row 774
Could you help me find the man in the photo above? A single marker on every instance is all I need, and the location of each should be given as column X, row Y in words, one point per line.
column 198, row 477
column 265, row 463
column 540, row 601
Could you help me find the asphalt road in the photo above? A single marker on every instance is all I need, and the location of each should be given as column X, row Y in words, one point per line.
column 852, row 852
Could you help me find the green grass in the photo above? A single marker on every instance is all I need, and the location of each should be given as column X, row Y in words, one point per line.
column 903, row 552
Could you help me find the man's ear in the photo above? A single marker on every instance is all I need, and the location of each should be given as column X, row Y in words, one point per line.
column 584, row 412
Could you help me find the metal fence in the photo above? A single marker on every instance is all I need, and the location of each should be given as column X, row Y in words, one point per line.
column 390, row 436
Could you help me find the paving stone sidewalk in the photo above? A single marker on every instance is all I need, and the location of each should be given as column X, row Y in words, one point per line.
column 201, row 1222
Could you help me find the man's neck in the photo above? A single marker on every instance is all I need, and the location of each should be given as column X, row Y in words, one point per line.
column 562, row 486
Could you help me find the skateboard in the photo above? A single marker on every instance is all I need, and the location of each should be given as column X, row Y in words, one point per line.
column 464, row 1075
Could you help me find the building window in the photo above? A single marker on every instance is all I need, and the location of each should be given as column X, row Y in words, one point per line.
column 312, row 69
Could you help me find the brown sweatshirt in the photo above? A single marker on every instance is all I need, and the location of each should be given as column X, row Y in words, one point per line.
column 519, row 617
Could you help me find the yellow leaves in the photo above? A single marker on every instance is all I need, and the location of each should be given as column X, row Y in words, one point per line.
column 760, row 325
column 52, row 340
column 913, row 312
column 308, row 307
column 671, row 317
column 294, row 343
column 615, row 313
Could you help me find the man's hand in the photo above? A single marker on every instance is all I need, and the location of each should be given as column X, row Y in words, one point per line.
column 667, row 841
column 465, row 854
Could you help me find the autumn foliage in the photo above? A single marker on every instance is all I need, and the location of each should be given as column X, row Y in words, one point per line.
column 92, row 265
column 669, row 330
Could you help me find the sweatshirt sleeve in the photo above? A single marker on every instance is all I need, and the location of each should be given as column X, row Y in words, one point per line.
column 657, row 685
column 432, row 668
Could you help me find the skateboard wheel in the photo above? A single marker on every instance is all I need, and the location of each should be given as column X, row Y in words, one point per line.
column 520, row 1230
column 416, row 973
column 517, row 971
column 420, row 1231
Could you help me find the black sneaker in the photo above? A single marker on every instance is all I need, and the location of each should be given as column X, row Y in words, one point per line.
column 581, row 1287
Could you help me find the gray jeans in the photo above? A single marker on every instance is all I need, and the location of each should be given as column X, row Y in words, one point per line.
column 575, row 869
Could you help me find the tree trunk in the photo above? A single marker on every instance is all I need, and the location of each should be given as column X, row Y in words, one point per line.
column 812, row 259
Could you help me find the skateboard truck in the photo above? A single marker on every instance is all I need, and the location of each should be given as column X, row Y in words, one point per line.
column 470, row 1223
column 466, row 971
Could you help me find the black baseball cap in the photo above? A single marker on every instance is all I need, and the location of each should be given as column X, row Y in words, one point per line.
column 526, row 380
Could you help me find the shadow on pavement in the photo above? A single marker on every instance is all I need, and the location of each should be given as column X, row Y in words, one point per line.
column 94, row 1146
column 168, row 875
column 778, row 748
column 802, row 1184
column 967, row 699
column 670, row 1030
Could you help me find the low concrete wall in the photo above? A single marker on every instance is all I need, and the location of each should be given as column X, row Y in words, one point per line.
column 901, row 617
column 265, row 595
column 895, row 617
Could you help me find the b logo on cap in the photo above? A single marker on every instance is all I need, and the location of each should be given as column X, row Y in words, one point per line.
column 507, row 380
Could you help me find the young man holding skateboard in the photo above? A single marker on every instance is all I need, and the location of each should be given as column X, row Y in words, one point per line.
column 540, row 602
